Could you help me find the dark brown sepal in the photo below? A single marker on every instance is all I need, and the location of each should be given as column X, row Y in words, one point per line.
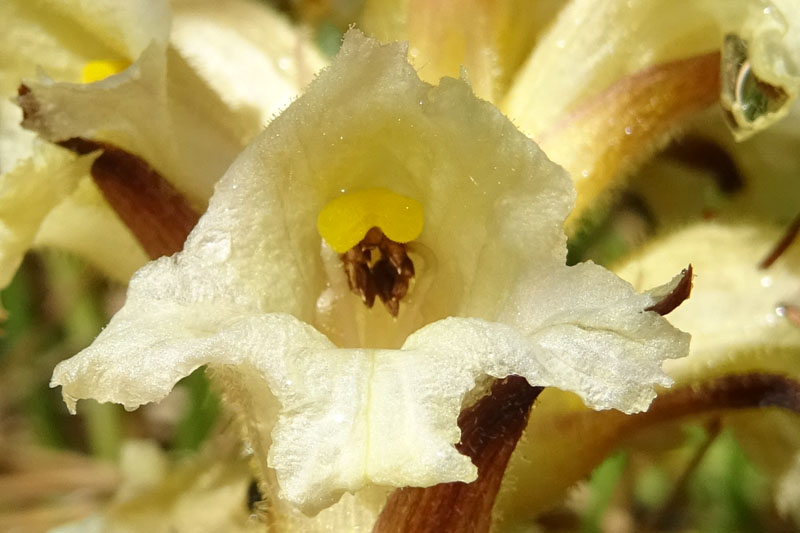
column 490, row 430
column 676, row 296
column 156, row 213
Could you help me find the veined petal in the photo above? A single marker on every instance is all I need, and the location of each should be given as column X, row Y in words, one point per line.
column 369, row 122
column 386, row 417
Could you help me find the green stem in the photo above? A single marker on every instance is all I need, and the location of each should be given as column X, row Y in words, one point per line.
column 103, row 429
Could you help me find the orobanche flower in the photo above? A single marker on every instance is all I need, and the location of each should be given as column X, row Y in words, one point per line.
column 377, row 186
column 138, row 81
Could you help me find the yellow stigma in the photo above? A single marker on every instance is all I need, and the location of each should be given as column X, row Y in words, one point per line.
column 99, row 70
column 345, row 220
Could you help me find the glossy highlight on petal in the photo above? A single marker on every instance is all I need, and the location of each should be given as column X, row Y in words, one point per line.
column 345, row 220
column 101, row 69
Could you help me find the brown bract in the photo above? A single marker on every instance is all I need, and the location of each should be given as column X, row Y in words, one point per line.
column 679, row 294
column 489, row 433
column 156, row 213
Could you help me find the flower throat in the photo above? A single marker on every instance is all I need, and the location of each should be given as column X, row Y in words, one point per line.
column 369, row 229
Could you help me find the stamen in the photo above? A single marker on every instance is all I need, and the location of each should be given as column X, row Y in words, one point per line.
column 379, row 266
column 344, row 221
column 101, row 69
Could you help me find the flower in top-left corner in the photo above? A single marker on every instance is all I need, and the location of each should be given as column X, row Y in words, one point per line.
column 139, row 83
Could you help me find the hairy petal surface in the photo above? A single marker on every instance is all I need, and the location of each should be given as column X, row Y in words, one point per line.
column 592, row 334
column 333, row 413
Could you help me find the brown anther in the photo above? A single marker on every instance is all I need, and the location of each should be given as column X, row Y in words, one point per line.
column 379, row 266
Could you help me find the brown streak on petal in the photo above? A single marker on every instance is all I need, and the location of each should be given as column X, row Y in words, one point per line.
column 791, row 313
column 156, row 213
column 738, row 391
column 788, row 238
column 620, row 127
column 490, row 430
column 676, row 296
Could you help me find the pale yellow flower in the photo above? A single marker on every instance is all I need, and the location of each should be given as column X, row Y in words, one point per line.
column 186, row 109
column 335, row 396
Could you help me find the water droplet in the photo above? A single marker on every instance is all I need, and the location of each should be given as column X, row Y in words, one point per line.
column 628, row 130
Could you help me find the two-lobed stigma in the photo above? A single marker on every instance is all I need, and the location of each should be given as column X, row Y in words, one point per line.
column 101, row 69
column 369, row 229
